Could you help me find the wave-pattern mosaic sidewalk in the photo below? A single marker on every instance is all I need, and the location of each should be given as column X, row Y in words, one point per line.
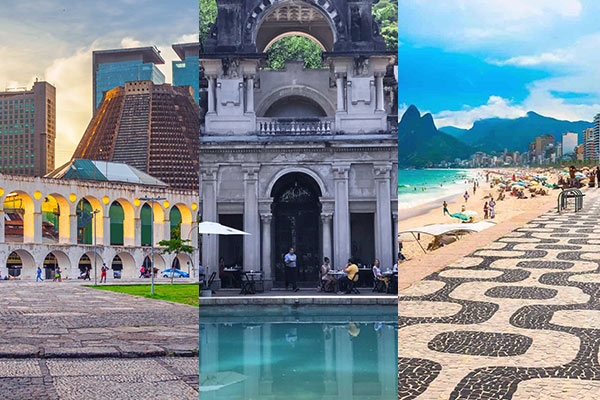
column 518, row 319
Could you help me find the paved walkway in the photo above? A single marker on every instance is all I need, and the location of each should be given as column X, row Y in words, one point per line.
column 518, row 319
column 67, row 341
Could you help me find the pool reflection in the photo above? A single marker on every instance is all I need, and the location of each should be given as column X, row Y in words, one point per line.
column 343, row 358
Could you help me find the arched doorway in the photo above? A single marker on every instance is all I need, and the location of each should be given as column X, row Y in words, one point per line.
column 50, row 219
column 117, row 215
column 175, row 223
column 85, row 227
column 56, row 259
column 296, row 213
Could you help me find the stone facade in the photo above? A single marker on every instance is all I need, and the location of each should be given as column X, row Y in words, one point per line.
column 298, row 157
column 33, row 247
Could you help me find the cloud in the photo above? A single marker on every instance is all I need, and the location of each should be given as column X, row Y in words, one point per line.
column 496, row 106
column 129, row 42
column 558, row 57
column 73, row 81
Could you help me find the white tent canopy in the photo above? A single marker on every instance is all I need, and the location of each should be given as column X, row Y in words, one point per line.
column 214, row 228
column 442, row 229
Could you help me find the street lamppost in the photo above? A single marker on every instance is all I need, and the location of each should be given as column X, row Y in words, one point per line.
column 152, row 200
column 94, row 218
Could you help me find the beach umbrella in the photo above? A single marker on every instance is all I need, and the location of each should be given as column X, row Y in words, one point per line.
column 470, row 213
column 460, row 216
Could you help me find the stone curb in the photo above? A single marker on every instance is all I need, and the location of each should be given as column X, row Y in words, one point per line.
column 109, row 352
column 325, row 301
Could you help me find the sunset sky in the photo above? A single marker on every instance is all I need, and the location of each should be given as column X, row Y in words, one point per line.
column 464, row 60
column 53, row 40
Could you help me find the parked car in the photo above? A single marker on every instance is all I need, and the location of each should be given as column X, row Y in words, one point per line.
column 177, row 273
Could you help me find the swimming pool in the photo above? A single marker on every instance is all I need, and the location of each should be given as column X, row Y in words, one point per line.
column 307, row 352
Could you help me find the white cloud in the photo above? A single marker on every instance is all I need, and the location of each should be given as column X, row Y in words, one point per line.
column 129, row 42
column 72, row 78
column 558, row 57
column 495, row 107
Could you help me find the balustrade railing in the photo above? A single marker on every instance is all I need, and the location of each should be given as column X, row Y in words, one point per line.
column 294, row 126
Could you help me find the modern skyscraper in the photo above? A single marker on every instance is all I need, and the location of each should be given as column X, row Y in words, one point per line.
column 590, row 151
column 153, row 128
column 569, row 141
column 596, row 136
column 28, row 130
column 112, row 68
column 187, row 71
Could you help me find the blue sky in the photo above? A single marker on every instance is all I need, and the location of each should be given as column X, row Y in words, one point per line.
column 464, row 60
column 53, row 40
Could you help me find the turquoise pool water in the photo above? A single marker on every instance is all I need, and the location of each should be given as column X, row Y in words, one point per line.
column 307, row 353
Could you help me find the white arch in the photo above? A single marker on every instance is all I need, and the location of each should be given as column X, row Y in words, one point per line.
column 289, row 170
column 299, row 91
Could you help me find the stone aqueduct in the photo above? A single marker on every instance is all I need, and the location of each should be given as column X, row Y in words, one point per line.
column 67, row 249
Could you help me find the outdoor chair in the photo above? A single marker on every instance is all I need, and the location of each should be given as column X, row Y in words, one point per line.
column 379, row 285
column 208, row 285
column 247, row 285
column 352, row 286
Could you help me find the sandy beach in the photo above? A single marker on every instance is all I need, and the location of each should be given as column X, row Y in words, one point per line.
column 506, row 209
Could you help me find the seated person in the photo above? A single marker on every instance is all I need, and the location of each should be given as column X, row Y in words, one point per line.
column 345, row 282
column 327, row 281
column 377, row 274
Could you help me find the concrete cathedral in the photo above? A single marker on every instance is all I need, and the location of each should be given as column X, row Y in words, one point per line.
column 303, row 158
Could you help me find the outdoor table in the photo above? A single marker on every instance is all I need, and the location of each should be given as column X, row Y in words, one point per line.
column 236, row 272
column 337, row 275
column 365, row 277
column 249, row 284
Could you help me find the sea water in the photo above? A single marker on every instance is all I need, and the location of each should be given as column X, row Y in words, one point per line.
column 329, row 353
column 417, row 187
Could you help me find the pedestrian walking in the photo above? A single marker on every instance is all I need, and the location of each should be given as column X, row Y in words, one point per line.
column 485, row 210
column 38, row 276
column 87, row 274
column 492, row 210
column 57, row 276
column 446, row 208
column 466, row 196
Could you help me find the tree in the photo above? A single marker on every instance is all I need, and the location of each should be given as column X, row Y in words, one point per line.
column 208, row 15
column 386, row 14
column 176, row 245
column 294, row 48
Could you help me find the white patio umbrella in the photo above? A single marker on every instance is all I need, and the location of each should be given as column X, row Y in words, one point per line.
column 214, row 228
column 470, row 213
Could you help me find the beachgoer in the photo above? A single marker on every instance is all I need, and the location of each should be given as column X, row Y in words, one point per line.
column 291, row 270
column 445, row 208
column 463, row 208
column 466, row 196
column 474, row 188
column 38, row 276
column 400, row 246
column 485, row 210
column 492, row 210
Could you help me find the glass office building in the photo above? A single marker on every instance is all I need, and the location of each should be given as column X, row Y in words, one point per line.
column 28, row 130
column 186, row 71
column 112, row 68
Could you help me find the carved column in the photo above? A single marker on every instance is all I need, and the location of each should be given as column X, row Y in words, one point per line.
column 251, row 217
column 210, row 243
column 341, row 103
column 211, row 94
column 341, row 215
column 266, row 246
column 250, row 93
column 72, row 227
column 395, row 233
column 379, row 90
column 326, row 219
column 2, row 239
column 383, row 215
